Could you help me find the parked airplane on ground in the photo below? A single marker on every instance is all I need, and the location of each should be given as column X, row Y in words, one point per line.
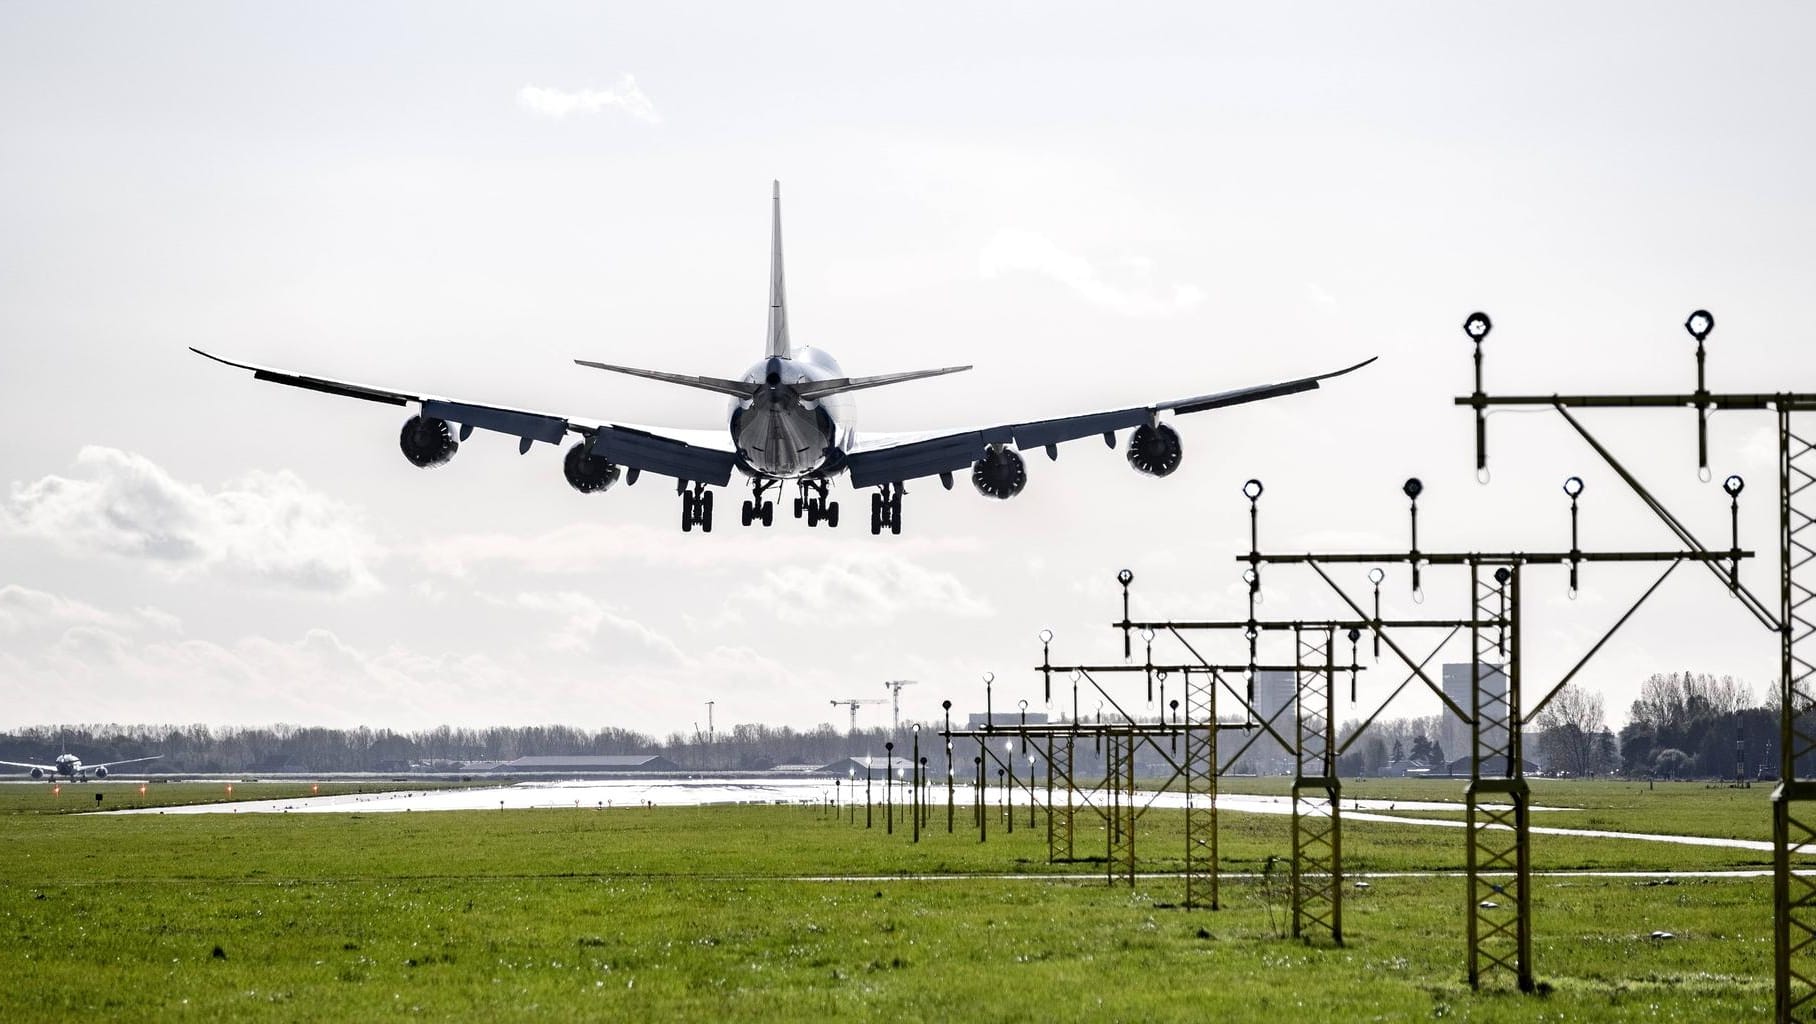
column 69, row 766
column 791, row 419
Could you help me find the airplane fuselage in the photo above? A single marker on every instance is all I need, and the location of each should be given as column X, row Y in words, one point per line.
column 780, row 436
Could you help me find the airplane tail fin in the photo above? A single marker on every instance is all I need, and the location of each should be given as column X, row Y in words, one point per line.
column 777, row 343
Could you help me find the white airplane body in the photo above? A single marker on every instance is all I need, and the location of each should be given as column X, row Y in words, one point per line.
column 69, row 767
column 791, row 418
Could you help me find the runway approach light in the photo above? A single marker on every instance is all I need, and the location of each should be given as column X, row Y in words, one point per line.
column 1573, row 486
column 1734, row 485
column 1252, row 490
column 1375, row 576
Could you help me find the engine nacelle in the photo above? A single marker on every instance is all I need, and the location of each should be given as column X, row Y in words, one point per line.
column 1001, row 473
column 587, row 472
column 37, row 773
column 100, row 773
column 427, row 441
column 1155, row 450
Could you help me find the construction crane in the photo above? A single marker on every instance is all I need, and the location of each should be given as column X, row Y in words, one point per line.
column 894, row 686
column 853, row 702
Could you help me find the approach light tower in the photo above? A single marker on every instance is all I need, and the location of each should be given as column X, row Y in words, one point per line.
column 852, row 703
column 894, row 686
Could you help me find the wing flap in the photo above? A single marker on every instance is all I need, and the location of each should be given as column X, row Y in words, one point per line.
column 540, row 427
column 947, row 454
column 1045, row 432
column 664, row 456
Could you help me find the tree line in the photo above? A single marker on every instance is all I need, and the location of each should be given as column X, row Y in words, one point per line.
column 201, row 748
column 1684, row 725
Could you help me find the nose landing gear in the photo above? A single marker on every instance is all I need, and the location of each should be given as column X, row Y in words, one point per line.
column 886, row 509
column 815, row 505
column 696, row 506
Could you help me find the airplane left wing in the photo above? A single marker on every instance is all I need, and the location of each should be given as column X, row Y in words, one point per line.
column 22, row 764
column 882, row 459
column 705, row 456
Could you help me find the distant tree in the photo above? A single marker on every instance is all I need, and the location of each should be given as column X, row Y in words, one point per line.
column 1671, row 763
column 1399, row 752
column 1421, row 749
column 1438, row 761
column 1570, row 727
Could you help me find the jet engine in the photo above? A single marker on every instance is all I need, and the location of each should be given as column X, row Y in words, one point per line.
column 427, row 441
column 1155, row 450
column 587, row 472
column 37, row 773
column 100, row 773
column 1000, row 473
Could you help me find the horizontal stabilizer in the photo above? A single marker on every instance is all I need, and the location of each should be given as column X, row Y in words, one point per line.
column 721, row 385
column 811, row 390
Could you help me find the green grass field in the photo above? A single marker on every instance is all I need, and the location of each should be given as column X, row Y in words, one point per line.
column 776, row 913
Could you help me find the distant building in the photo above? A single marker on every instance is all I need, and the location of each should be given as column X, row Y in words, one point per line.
column 1460, row 768
column 1453, row 732
column 1006, row 719
column 584, row 763
column 876, row 767
column 1274, row 701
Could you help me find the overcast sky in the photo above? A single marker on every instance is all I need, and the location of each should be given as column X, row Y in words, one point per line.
column 1096, row 205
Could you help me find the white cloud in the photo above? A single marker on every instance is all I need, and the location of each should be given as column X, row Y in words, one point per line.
column 580, row 548
column 1013, row 250
column 585, row 625
column 269, row 527
column 870, row 588
column 23, row 609
column 556, row 104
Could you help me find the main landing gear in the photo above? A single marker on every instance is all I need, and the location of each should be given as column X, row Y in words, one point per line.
column 756, row 509
column 886, row 508
column 696, row 506
column 815, row 506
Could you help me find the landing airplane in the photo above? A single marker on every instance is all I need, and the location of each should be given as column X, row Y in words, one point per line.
column 791, row 418
column 69, row 766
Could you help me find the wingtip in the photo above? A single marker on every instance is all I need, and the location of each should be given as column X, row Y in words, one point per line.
column 775, row 188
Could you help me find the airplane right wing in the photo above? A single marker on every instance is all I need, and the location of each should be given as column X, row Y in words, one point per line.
column 882, row 459
column 700, row 455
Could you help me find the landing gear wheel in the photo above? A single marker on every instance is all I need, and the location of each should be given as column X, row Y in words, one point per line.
column 832, row 514
column 800, row 507
column 687, row 513
column 876, row 514
column 769, row 513
column 706, row 512
column 745, row 512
